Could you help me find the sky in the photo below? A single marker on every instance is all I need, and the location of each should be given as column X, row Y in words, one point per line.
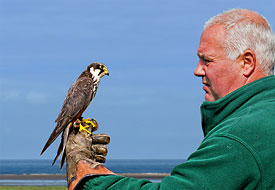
column 150, row 103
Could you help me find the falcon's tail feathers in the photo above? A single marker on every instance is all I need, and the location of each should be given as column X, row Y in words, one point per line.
column 59, row 150
column 62, row 146
column 65, row 139
column 56, row 132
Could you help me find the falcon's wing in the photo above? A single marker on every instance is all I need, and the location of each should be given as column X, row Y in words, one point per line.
column 76, row 101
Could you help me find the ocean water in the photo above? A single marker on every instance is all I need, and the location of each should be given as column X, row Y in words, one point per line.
column 118, row 166
column 21, row 167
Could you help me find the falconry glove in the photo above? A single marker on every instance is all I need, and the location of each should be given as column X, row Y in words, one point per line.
column 85, row 152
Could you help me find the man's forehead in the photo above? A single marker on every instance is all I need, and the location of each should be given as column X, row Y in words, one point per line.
column 209, row 47
column 206, row 51
column 212, row 36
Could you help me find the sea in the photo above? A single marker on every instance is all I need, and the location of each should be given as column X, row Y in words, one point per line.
column 42, row 166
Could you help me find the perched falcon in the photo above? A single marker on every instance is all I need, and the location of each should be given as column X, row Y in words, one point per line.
column 78, row 98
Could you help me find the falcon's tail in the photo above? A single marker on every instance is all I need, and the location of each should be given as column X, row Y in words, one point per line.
column 59, row 150
column 56, row 132
column 62, row 147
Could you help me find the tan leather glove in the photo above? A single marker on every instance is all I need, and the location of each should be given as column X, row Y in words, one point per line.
column 85, row 152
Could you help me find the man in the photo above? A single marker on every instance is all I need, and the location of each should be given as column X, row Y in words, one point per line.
column 236, row 62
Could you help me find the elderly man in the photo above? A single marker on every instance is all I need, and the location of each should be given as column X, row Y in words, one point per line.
column 236, row 62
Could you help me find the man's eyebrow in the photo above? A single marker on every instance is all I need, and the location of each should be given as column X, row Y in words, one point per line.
column 201, row 55
column 204, row 57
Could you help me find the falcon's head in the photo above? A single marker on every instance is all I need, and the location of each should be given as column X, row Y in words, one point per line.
column 98, row 70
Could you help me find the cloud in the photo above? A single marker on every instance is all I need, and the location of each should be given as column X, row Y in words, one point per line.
column 15, row 95
column 36, row 97
column 9, row 95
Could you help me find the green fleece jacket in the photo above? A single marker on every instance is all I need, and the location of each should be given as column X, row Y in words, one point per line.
column 237, row 152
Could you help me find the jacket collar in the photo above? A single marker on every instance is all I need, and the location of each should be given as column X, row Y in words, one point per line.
column 213, row 113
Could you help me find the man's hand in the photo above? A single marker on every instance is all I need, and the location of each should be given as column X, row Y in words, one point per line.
column 85, row 152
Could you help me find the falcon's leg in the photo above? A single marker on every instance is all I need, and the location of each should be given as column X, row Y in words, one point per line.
column 88, row 122
column 77, row 124
column 84, row 128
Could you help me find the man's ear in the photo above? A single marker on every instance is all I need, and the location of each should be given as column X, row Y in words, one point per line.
column 249, row 62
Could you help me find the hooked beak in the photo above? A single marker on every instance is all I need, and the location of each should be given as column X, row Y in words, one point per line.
column 106, row 72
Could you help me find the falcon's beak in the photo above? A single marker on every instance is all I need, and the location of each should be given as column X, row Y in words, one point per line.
column 106, row 71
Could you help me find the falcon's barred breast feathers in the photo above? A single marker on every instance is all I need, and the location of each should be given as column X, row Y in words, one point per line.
column 78, row 98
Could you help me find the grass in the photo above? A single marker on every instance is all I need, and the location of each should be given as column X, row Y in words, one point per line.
column 31, row 188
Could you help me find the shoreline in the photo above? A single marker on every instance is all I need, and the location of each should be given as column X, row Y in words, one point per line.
column 63, row 176
column 60, row 179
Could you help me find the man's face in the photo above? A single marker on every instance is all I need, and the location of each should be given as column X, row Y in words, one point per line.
column 220, row 75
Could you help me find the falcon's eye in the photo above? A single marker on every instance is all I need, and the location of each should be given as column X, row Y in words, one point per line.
column 101, row 67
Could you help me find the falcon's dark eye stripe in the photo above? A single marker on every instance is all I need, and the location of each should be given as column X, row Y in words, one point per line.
column 101, row 71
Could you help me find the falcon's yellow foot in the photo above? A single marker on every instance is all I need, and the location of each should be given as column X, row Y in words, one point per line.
column 88, row 121
column 84, row 128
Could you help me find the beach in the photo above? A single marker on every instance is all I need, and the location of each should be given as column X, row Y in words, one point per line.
column 60, row 179
column 63, row 177
column 40, row 173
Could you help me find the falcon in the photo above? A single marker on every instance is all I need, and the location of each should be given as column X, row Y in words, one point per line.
column 78, row 98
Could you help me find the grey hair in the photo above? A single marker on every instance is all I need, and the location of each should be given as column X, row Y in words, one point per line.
column 243, row 32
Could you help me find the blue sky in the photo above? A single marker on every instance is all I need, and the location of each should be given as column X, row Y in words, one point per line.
column 149, row 104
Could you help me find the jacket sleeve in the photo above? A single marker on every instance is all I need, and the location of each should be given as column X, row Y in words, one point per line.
column 219, row 163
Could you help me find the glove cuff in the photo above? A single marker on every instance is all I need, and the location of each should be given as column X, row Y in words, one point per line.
column 85, row 170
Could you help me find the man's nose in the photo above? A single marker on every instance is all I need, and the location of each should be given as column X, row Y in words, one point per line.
column 199, row 71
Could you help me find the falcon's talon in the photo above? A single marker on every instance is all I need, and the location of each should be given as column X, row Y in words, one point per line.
column 91, row 123
column 84, row 128
column 85, row 120
column 88, row 120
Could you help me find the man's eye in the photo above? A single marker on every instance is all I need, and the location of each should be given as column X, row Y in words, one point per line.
column 207, row 61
